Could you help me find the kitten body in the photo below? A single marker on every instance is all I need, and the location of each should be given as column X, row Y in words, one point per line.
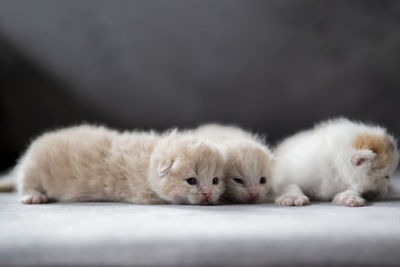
column 88, row 163
column 337, row 160
column 247, row 162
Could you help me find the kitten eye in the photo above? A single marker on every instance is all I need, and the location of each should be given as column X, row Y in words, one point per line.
column 191, row 181
column 238, row 180
column 215, row 180
column 387, row 177
column 263, row 180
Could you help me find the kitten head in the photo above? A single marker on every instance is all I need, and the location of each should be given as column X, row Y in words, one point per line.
column 247, row 171
column 186, row 170
column 374, row 159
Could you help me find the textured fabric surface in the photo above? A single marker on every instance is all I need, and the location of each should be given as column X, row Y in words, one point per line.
column 171, row 235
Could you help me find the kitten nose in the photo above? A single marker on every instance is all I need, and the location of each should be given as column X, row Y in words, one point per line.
column 253, row 194
column 207, row 193
column 206, row 196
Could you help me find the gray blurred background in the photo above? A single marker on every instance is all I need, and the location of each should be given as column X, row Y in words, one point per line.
column 271, row 66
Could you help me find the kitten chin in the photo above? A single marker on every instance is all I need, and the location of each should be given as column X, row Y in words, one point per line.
column 337, row 160
column 88, row 163
column 247, row 162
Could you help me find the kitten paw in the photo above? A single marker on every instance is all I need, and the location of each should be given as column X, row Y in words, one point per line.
column 349, row 200
column 35, row 198
column 292, row 200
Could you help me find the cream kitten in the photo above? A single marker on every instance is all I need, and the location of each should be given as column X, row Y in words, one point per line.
column 89, row 163
column 247, row 162
column 338, row 159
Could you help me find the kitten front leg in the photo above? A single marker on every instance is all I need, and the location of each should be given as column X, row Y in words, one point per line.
column 33, row 198
column 292, row 196
column 349, row 198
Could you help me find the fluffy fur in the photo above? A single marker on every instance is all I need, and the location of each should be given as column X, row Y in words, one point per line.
column 89, row 163
column 247, row 158
column 337, row 160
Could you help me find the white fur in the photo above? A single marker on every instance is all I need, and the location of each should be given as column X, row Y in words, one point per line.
column 321, row 163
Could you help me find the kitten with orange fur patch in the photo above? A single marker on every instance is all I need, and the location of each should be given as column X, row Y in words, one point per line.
column 88, row 163
column 337, row 160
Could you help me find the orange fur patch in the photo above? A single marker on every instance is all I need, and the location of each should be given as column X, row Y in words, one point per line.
column 378, row 144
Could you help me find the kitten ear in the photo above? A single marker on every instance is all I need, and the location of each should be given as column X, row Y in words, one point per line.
column 362, row 156
column 164, row 167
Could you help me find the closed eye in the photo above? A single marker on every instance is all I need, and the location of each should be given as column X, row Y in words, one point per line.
column 387, row 177
column 238, row 180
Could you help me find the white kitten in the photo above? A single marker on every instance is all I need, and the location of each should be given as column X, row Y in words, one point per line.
column 338, row 159
column 247, row 162
column 89, row 163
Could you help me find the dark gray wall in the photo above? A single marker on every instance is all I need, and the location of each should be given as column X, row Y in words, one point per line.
column 271, row 66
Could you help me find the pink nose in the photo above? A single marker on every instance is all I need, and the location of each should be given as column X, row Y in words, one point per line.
column 206, row 197
column 254, row 194
column 206, row 194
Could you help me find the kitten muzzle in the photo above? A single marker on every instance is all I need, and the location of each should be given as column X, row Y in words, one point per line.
column 253, row 195
column 206, row 197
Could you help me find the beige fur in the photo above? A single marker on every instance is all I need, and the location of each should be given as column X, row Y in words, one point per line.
column 246, row 158
column 87, row 163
